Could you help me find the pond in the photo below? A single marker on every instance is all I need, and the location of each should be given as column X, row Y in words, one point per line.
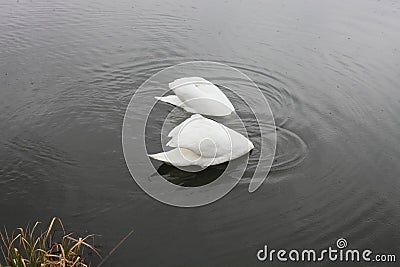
column 330, row 71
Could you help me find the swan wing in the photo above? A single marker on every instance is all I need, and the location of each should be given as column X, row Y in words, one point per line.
column 177, row 157
column 187, row 80
column 209, row 138
column 201, row 141
column 203, row 136
column 201, row 96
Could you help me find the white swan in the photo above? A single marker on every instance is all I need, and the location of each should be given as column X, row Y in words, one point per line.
column 197, row 95
column 199, row 141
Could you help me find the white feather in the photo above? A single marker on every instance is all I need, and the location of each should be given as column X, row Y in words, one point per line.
column 197, row 95
column 203, row 142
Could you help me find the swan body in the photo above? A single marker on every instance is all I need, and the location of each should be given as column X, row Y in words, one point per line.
column 199, row 141
column 197, row 95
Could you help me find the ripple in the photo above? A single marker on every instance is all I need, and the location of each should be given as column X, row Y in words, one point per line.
column 34, row 161
column 291, row 150
column 275, row 87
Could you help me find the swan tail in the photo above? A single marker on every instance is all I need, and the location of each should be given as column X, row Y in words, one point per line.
column 171, row 99
column 177, row 157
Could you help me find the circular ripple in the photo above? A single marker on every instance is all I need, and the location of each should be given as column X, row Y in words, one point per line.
column 275, row 87
column 290, row 150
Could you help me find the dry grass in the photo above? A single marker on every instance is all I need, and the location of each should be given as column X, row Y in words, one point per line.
column 49, row 248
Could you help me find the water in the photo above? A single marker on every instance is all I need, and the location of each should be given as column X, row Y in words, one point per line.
column 329, row 69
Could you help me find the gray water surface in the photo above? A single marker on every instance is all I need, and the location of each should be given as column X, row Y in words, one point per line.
column 329, row 69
